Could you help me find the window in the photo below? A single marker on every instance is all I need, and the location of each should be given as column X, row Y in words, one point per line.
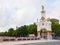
column 42, row 23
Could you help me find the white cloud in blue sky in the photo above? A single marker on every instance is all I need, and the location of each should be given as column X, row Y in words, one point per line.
column 20, row 12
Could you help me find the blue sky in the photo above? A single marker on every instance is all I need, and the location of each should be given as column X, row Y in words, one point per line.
column 20, row 12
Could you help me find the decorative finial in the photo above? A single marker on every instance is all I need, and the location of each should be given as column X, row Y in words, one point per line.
column 42, row 7
column 43, row 13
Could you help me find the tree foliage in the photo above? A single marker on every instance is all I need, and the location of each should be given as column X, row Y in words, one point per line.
column 55, row 27
column 32, row 29
column 10, row 32
column 22, row 31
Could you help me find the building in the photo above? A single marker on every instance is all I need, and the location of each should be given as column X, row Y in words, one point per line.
column 44, row 26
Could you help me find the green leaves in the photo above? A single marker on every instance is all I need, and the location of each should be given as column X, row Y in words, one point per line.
column 22, row 31
column 32, row 29
column 10, row 32
column 55, row 27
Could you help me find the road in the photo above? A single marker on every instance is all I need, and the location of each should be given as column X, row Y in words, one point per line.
column 32, row 42
column 46, row 43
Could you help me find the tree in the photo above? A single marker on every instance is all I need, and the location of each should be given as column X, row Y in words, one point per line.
column 22, row 31
column 10, row 32
column 55, row 27
column 5, row 33
column 32, row 29
column 54, row 20
column 1, row 33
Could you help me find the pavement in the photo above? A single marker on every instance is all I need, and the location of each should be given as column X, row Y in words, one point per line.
column 30, row 42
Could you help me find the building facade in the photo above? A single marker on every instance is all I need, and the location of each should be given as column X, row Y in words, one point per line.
column 44, row 26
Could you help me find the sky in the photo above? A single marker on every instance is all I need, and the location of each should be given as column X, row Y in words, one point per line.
column 23, row 12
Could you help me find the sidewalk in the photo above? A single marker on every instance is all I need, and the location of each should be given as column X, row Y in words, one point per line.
column 25, row 42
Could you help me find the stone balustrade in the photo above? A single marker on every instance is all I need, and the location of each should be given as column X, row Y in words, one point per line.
column 17, row 38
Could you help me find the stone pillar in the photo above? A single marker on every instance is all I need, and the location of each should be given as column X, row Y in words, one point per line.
column 38, row 34
column 49, row 36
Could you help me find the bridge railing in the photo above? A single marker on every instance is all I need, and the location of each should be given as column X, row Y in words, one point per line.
column 17, row 38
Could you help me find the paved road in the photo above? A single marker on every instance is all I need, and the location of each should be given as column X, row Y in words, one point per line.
column 44, row 43
column 32, row 42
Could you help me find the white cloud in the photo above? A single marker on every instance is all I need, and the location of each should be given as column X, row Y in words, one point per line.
column 54, row 10
column 16, row 13
column 23, row 16
column 20, row 12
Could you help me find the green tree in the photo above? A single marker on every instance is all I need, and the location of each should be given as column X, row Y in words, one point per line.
column 22, row 31
column 32, row 29
column 1, row 33
column 10, row 32
column 5, row 33
column 55, row 27
column 54, row 20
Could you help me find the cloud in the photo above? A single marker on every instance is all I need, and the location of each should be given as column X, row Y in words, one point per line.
column 16, row 13
column 54, row 10
column 20, row 12
column 23, row 16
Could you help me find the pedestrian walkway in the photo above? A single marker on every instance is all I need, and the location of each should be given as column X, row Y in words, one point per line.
column 26, row 42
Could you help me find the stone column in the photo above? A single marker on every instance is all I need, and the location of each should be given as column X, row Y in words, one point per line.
column 38, row 34
column 49, row 36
